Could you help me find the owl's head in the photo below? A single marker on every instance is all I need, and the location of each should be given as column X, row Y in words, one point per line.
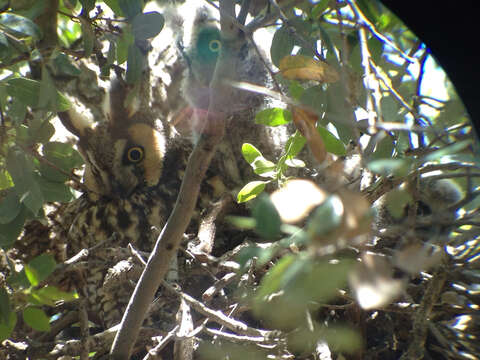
column 123, row 153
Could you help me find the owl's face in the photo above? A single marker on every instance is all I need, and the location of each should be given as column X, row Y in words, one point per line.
column 123, row 153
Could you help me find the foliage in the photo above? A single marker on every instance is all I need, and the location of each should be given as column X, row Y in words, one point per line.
column 352, row 76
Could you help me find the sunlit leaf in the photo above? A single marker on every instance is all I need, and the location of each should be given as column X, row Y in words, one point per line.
column 332, row 143
column 300, row 67
column 273, row 117
column 251, row 191
column 39, row 268
column 250, row 153
column 396, row 167
column 36, row 318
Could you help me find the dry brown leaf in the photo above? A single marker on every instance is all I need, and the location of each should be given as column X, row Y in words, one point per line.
column 299, row 67
column 305, row 122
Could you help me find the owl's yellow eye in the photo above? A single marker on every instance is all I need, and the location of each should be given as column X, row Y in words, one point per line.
column 135, row 154
column 215, row 45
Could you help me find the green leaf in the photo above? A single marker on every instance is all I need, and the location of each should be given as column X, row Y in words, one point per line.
column 5, row 180
column 250, row 153
column 273, row 117
column 295, row 89
column 386, row 167
column 123, row 45
column 6, row 328
column 39, row 268
column 19, row 26
column 294, row 145
column 396, row 202
column 241, row 222
column 319, row 8
column 264, row 167
column 251, row 190
column 267, row 219
column 63, row 156
column 326, row 217
column 4, row 306
column 88, row 36
column 282, row 45
column 43, row 133
column 147, row 25
column 50, row 295
column 10, row 207
column 48, row 92
column 332, row 143
column 9, row 232
column 448, row 150
column 135, row 64
column 21, row 169
column 384, row 148
column 131, row 7
column 87, row 5
column 113, row 4
column 315, row 97
column 54, row 191
column 36, row 319
column 63, row 66
column 28, row 92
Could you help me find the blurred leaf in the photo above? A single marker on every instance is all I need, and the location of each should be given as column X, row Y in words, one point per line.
column 4, row 306
column 19, row 26
column 63, row 66
column 147, row 25
column 296, row 198
column 339, row 112
column 54, row 191
column 123, row 45
column 295, row 144
column 48, row 93
column 251, row 190
column 319, row 8
column 50, row 295
column 114, row 5
column 88, row 36
column 39, row 268
column 131, row 8
column 326, row 218
column 315, row 97
column 294, row 163
column 282, row 45
column 250, row 153
column 36, row 319
column 43, row 133
column 293, row 285
column 448, row 150
column 332, row 143
column 135, row 64
column 305, row 68
column 63, row 156
column 10, row 207
column 231, row 351
column 10, row 231
column 21, row 169
column 87, row 5
column 383, row 149
column 267, row 218
column 5, row 180
column 18, row 280
column 387, row 167
column 339, row 339
column 241, row 222
column 273, row 117
column 295, row 89
column 28, row 92
column 396, row 202
column 7, row 327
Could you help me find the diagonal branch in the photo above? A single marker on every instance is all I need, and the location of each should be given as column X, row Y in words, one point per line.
column 169, row 240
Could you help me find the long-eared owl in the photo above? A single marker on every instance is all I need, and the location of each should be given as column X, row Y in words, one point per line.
column 123, row 155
